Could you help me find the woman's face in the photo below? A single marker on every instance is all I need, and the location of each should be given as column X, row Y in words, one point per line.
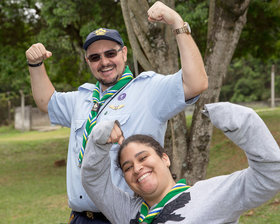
column 145, row 172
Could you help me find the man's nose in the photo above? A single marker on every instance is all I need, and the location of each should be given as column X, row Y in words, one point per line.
column 104, row 60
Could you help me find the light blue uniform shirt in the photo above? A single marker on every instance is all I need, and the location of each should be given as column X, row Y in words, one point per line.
column 143, row 107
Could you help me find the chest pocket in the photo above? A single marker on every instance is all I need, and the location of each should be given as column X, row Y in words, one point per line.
column 122, row 118
column 78, row 126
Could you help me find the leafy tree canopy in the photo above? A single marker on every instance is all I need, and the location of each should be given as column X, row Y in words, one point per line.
column 261, row 35
column 62, row 26
column 248, row 77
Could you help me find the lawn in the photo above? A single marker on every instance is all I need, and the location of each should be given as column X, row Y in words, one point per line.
column 33, row 189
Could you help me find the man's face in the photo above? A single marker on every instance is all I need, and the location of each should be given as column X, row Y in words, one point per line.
column 107, row 70
column 145, row 172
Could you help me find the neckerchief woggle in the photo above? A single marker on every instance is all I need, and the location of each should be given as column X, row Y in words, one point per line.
column 97, row 103
column 147, row 216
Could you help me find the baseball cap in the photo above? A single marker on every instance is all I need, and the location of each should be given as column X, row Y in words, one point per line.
column 103, row 34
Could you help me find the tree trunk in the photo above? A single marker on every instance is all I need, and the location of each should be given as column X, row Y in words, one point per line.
column 226, row 21
column 155, row 48
column 152, row 43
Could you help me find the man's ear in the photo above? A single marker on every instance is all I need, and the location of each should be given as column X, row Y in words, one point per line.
column 124, row 51
column 86, row 59
column 166, row 159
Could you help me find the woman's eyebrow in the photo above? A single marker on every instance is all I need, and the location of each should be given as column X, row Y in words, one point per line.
column 136, row 155
column 139, row 153
column 126, row 162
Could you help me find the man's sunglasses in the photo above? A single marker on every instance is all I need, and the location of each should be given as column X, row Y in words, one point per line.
column 108, row 54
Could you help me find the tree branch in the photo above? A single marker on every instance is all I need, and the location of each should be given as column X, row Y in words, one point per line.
column 132, row 38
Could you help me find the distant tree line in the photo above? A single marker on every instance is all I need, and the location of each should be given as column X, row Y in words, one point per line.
column 248, row 76
column 63, row 25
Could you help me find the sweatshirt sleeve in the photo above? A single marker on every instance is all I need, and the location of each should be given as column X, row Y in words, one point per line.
column 261, row 181
column 115, row 204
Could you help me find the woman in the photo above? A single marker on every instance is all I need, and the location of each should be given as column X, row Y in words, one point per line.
column 158, row 198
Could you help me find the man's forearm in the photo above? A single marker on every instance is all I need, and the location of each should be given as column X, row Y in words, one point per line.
column 195, row 79
column 42, row 88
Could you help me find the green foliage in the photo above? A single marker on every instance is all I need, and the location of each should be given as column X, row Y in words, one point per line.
column 62, row 26
column 248, row 79
column 196, row 13
column 67, row 23
column 13, row 69
column 13, row 36
column 261, row 34
column 6, row 107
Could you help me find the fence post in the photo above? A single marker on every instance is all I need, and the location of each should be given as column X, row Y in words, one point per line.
column 22, row 109
column 272, row 86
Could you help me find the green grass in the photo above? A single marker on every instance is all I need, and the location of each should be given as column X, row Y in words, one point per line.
column 33, row 190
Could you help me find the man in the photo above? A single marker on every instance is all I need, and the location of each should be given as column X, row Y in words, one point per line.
column 159, row 199
column 142, row 105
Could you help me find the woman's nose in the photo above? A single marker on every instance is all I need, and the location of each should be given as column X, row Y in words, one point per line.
column 138, row 167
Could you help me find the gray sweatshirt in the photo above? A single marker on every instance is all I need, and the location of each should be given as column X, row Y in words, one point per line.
column 216, row 200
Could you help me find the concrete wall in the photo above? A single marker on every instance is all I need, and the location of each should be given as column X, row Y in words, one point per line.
column 20, row 123
column 39, row 118
column 33, row 119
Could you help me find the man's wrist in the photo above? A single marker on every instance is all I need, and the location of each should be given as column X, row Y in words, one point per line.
column 178, row 23
column 184, row 29
column 35, row 65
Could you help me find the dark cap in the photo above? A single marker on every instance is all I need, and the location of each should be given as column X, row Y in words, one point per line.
column 103, row 34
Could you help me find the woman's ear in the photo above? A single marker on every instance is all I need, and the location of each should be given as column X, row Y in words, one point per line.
column 166, row 159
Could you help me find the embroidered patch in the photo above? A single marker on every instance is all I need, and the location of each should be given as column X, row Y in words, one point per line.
column 116, row 107
column 100, row 31
column 122, row 96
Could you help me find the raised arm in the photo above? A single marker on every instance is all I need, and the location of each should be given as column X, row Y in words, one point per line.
column 115, row 204
column 42, row 88
column 195, row 79
column 245, row 128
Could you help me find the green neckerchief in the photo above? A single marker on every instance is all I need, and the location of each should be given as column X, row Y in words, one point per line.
column 97, row 103
column 147, row 216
